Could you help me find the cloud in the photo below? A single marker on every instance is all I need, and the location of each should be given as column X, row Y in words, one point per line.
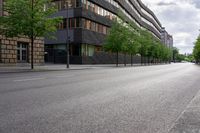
column 196, row 3
column 166, row 3
column 180, row 18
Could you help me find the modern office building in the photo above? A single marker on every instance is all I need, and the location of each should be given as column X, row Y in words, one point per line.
column 17, row 50
column 88, row 24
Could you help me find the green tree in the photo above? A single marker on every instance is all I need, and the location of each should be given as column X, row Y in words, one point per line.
column 29, row 18
column 115, row 39
column 126, row 41
column 196, row 50
column 144, row 41
column 180, row 57
column 175, row 53
column 151, row 46
column 189, row 58
column 130, row 44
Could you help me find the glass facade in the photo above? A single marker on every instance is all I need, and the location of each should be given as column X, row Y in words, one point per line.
column 64, row 4
column 90, row 6
column 97, row 9
column 89, row 50
column 83, row 23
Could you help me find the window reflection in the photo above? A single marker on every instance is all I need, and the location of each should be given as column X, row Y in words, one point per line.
column 83, row 23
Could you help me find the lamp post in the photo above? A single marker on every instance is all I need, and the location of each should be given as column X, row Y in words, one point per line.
column 67, row 48
column 68, row 38
column 32, row 39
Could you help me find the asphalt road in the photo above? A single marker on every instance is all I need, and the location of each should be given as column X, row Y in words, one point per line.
column 104, row 100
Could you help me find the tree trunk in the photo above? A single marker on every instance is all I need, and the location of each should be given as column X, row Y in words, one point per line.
column 117, row 59
column 144, row 61
column 124, row 59
column 131, row 59
column 153, row 61
column 148, row 60
column 32, row 49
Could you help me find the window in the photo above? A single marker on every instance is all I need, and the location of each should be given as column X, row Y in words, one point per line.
column 96, row 28
column 104, row 30
column 72, row 23
column 97, row 9
column 88, row 24
column 83, row 23
column 93, row 24
column 61, row 4
column 100, row 29
column 78, row 23
column 22, row 52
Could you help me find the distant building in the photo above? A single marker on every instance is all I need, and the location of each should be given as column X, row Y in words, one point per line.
column 17, row 50
column 166, row 38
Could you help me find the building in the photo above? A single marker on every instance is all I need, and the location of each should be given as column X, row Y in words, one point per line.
column 170, row 41
column 88, row 23
column 17, row 50
column 166, row 38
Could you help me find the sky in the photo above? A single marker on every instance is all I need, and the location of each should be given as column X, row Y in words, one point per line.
column 181, row 19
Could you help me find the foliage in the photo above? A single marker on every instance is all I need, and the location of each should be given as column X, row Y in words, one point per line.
column 196, row 50
column 115, row 39
column 175, row 53
column 28, row 18
column 189, row 58
column 23, row 20
column 130, row 39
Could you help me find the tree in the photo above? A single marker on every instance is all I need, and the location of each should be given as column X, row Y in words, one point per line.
column 125, row 44
column 115, row 39
column 29, row 18
column 132, row 45
column 151, row 43
column 189, row 58
column 175, row 53
column 144, row 41
column 196, row 50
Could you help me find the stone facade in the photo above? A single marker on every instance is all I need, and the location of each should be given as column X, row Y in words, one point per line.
column 9, row 50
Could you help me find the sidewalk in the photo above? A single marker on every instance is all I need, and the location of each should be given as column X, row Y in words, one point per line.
column 59, row 67
column 54, row 67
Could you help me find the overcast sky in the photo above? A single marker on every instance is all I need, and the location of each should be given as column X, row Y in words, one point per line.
column 181, row 18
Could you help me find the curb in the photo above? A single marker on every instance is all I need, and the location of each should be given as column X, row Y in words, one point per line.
column 40, row 70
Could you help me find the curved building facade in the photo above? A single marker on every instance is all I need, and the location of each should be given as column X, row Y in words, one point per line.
column 86, row 23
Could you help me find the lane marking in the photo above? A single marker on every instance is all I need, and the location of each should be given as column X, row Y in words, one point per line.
column 64, row 76
column 31, row 79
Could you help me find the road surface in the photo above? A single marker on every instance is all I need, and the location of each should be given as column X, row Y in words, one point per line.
column 150, row 99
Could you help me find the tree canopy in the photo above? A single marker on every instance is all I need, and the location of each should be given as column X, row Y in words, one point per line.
column 28, row 18
column 196, row 50
column 128, row 38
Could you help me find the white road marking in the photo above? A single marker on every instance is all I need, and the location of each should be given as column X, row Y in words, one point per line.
column 64, row 76
column 39, row 78
column 31, row 79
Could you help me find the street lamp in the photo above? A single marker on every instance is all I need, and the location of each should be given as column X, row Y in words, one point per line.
column 68, row 38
